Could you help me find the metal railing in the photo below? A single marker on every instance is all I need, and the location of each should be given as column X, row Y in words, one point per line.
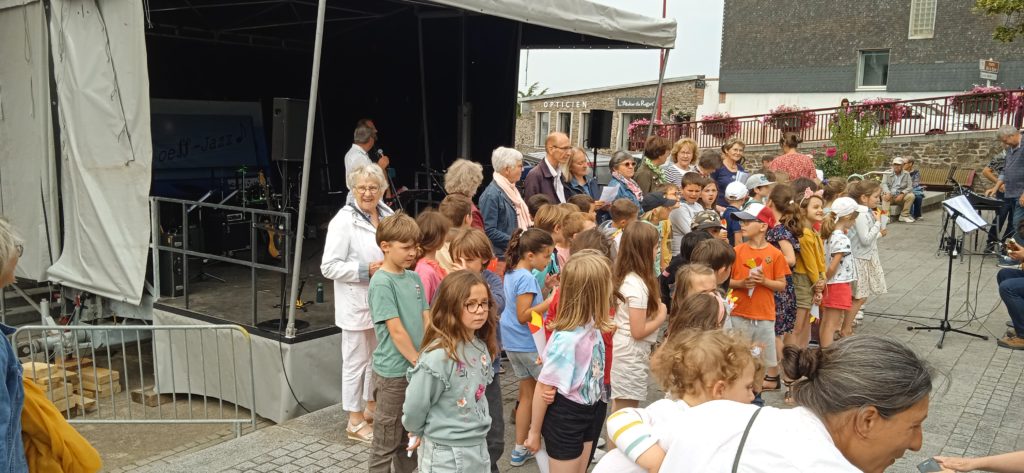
column 99, row 375
column 272, row 222
column 932, row 115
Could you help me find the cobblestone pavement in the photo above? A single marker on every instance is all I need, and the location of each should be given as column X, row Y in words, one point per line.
column 969, row 412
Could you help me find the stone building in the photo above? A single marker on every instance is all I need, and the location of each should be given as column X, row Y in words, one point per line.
column 812, row 53
column 569, row 112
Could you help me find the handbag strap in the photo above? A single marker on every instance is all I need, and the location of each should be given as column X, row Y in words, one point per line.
column 743, row 441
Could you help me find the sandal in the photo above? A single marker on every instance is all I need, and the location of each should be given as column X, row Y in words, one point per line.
column 771, row 379
column 354, row 432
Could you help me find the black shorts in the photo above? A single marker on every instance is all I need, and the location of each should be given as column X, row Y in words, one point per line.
column 568, row 425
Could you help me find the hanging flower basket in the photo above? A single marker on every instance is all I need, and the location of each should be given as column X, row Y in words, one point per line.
column 885, row 111
column 789, row 118
column 637, row 132
column 720, row 125
column 985, row 100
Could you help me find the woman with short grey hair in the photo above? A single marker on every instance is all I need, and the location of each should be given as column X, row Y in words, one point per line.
column 861, row 404
column 351, row 256
column 623, row 167
column 501, row 203
column 464, row 177
column 12, row 456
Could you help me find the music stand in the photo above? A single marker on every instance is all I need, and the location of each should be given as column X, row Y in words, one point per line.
column 957, row 207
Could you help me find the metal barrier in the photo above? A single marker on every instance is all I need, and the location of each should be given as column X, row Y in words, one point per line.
column 257, row 220
column 98, row 374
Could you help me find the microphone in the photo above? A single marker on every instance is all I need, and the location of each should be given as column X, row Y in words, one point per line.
column 380, row 153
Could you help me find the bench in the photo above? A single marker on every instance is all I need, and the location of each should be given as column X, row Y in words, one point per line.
column 936, row 178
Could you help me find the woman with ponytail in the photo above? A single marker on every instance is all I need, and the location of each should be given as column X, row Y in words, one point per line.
column 860, row 406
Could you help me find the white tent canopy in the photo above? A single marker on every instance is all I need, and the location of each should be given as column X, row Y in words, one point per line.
column 579, row 16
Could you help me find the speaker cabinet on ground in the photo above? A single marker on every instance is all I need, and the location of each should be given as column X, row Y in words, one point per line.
column 599, row 133
column 289, row 131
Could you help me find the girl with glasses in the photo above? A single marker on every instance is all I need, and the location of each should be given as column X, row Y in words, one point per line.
column 445, row 410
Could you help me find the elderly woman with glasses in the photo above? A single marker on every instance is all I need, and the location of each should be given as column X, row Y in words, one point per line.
column 623, row 168
column 351, row 256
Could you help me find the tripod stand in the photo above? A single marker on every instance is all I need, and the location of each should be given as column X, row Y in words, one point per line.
column 953, row 247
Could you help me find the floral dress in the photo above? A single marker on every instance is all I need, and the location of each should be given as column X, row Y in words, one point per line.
column 785, row 300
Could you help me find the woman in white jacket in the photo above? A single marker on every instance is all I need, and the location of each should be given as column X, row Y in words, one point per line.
column 351, row 256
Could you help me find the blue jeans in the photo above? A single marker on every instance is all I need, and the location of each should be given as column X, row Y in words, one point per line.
column 915, row 210
column 1011, row 291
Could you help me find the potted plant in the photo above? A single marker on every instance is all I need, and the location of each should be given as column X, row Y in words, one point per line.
column 637, row 132
column 790, row 118
column 885, row 111
column 985, row 100
column 721, row 125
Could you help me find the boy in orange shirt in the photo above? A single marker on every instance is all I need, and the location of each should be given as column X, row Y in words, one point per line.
column 759, row 271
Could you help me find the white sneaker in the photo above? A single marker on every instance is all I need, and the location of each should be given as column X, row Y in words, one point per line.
column 907, row 219
column 598, row 454
column 859, row 316
column 601, row 442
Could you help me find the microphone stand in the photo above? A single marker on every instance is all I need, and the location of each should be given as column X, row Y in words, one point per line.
column 391, row 184
column 953, row 247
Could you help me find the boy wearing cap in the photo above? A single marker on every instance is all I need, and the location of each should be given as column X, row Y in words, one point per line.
column 759, row 271
column 758, row 189
column 735, row 196
column 898, row 190
column 711, row 222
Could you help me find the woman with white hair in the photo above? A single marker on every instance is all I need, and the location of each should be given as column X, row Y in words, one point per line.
column 501, row 204
column 463, row 178
column 351, row 256
column 12, row 394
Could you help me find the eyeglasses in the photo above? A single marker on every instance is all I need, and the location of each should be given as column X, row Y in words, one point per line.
column 477, row 306
column 563, row 148
column 628, row 164
column 367, row 189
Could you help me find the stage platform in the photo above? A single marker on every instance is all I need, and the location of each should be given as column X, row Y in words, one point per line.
column 311, row 360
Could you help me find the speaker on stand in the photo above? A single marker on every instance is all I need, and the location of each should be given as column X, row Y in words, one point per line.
column 599, row 133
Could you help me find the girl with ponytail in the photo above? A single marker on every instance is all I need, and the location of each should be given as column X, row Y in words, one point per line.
column 783, row 235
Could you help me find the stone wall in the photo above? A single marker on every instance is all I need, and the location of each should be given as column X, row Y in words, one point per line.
column 971, row 150
column 682, row 96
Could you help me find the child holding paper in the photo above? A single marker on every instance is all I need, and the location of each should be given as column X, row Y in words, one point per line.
column 759, row 271
column 527, row 250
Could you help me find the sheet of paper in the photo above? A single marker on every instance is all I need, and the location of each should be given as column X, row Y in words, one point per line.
column 608, row 193
column 969, row 219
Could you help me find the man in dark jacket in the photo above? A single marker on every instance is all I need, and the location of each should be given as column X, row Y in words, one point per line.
column 546, row 177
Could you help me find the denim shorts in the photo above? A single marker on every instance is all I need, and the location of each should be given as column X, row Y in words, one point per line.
column 525, row 365
column 568, row 425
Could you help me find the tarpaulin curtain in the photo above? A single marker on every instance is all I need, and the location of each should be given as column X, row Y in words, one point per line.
column 28, row 181
column 99, row 60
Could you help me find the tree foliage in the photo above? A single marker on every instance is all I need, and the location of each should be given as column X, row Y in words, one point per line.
column 1012, row 10
column 532, row 91
column 857, row 138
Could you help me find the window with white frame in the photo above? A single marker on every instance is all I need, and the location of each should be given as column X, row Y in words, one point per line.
column 584, row 128
column 872, row 69
column 628, row 118
column 565, row 123
column 543, row 127
column 922, row 19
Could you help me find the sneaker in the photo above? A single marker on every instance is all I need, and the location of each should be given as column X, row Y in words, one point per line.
column 859, row 316
column 598, row 454
column 1013, row 343
column 601, row 442
column 1008, row 263
column 907, row 219
column 518, row 457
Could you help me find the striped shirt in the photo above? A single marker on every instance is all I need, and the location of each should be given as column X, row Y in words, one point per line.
column 674, row 175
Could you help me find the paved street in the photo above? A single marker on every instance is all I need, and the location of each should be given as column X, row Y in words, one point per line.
column 969, row 414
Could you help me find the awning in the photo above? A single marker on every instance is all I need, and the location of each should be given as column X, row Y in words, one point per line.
column 579, row 16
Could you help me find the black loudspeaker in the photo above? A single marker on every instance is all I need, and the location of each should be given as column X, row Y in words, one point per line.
column 289, row 130
column 599, row 132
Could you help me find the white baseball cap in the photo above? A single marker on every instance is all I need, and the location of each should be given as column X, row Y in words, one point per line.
column 736, row 191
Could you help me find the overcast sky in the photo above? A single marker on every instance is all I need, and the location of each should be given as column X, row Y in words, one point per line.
column 698, row 47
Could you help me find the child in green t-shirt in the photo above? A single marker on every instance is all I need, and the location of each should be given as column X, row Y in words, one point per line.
column 398, row 307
